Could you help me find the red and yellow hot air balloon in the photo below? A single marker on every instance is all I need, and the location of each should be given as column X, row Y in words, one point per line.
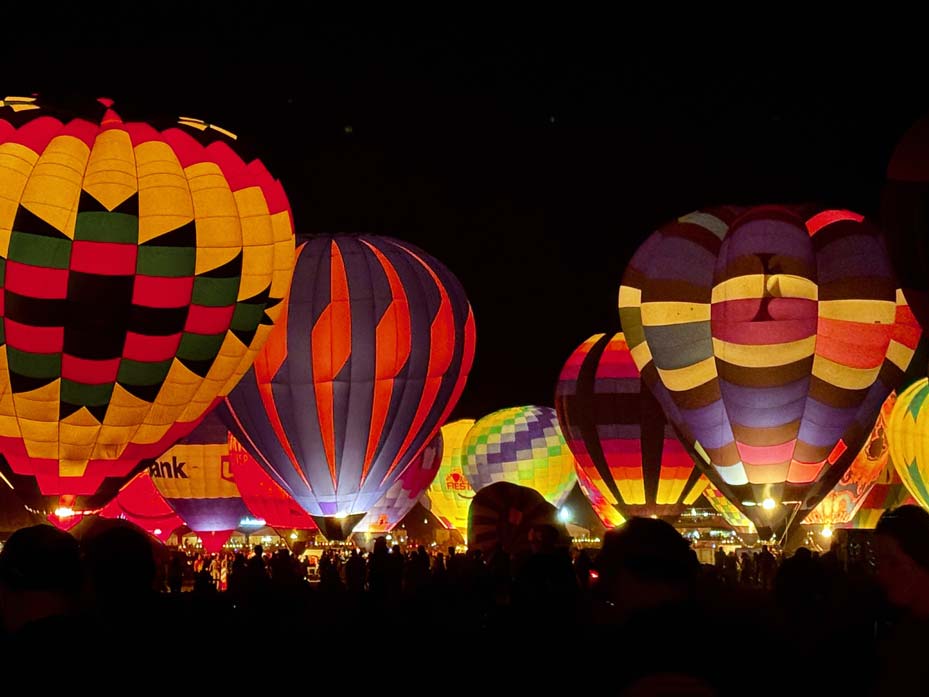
column 374, row 349
column 771, row 336
column 618, row 433
column 142, row 266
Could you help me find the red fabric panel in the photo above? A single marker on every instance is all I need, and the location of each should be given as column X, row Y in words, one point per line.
column 103, row 258
column 34, row 339
column 36, row 281
column 157, row 291
column 149, row 349
column 89, row 372
column 208, row 320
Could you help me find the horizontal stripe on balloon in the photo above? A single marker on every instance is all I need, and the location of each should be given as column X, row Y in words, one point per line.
column 846, row 377
column 683, row 379
column 162, row 291
column 89, row 372
column 760, row 333
column 900, row 355
column 104, row 258
column 859, row 311
column 802, row 473
column 679, row 345
column 710, row 424
column 670, row 313
column 641, row 355
column 767, row 437
column 629, row 297
column 140, row 347
column 760, row 285
column 764, row 355
column 776, row 396
column 733, row 475
column 36, row 281
column 766, row 454
column 861, row 347
column 773, row 473
column 33, row 339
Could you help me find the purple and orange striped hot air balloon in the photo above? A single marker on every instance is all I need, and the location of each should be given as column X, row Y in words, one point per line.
column 373, row 351
column 619, row 436
column 771, row 336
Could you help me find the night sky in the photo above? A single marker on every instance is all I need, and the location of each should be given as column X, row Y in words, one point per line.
column 531, row 158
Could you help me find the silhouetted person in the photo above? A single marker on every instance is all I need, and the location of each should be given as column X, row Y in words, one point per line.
column 176, row 570
column 355, row 573
column 40, row 579
column 545, row 587
column 121, row 570
column 902, row 545
column 766, row 567
column 646, row 593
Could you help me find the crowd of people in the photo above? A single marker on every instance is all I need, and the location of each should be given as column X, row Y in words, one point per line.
column 664, row 623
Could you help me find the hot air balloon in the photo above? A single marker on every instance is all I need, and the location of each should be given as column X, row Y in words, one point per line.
column 449, row 495
column 503, row 514
column 141, row 503
column 888, row 492
column 262, row 496
column 729, row 511
column 371, row 357
column 195, row 477
column 908, row 434
column 142, row 266
column 605, row 511
column 905, row 216
column 771, row 336
column 618, row 432
column 841, row 504
column 520, row 445
column 403, row 495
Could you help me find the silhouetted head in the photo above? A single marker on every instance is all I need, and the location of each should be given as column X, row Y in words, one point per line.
column 903, row 557
column 259, row 550
column 645, row 563
column 119, row 561
column 41, row 558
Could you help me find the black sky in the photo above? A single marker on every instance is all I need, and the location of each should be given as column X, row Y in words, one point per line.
column 531, row 157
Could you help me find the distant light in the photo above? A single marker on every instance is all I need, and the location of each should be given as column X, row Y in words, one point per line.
column 827, row 532
column 693, row 512
column 157, row 531
column 390, row 537
column 654, row 516
column 564, row 515
column 768, row 504
column 341, row 515
column 64, row 512
column 293, row 535
column 348, row 129
column 248, row 522
column 749, row 503
column 594, row 575
column 425, row 522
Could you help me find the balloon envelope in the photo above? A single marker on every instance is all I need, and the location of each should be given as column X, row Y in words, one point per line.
column 502, row 514
column 141, row 503
column 771, row 336
column 619, row 434
column 195, row 477
column 909, row 440
column 141, row 269
column 372, row 355
column 523, row 446
column 449, row 495
column 841, row 504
